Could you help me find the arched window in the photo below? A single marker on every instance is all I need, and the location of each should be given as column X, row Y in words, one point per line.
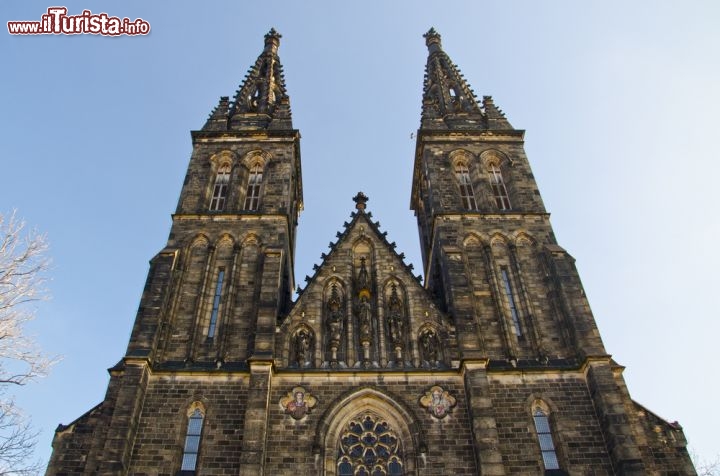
column 467, row 195
column 216, row 303
column 510, row 295
column 252, row 197
column 220, row 190
column 545, row 439
column 499, row 191
column 192, row 441
column 369, row 447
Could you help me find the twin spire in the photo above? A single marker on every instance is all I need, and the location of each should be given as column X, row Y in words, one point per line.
column 448, row 100
column 262, row 101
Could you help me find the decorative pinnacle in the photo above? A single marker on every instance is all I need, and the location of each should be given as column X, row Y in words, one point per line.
column 432, row 40
column 272, row 40
column 360, row 200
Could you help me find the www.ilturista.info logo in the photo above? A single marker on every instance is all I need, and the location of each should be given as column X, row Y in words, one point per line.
column 57, row 22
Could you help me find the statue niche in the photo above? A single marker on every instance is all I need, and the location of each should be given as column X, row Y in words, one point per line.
column 302, row 348
column 335, row 324
column 396, row 323
column 429, row 349
column 365, row 315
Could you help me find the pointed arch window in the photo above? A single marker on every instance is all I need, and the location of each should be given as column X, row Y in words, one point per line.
column 507, row 285
column 545, row 439
column 369, row 447
column 252, row 197
column 192, row 442
column 499, row 191
column 220, row 190
column 216, row 303
column 467, row 195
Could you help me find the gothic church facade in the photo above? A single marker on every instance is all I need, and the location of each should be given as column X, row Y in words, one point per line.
column 491, row 364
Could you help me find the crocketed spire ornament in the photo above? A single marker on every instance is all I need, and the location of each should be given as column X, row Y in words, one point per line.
column 272, row 40
column 432, row 39
column 360, row 201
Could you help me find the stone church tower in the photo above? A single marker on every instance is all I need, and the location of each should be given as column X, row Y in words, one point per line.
column 494, row 366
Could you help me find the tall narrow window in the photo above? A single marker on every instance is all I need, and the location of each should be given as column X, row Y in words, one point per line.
column 192, row 441
column 544, row 434
column 222, row 179
column 502, row 200
column 511, row 300
column 216, row 303
column 252, row 197
column 467, row 195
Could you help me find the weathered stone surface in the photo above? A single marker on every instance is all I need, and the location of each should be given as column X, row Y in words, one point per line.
column 501, row 323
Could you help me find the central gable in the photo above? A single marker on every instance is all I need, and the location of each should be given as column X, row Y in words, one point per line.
column 364, row 309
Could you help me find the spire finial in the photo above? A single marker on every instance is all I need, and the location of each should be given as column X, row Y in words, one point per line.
column 432, row 40
column 360, row 201
column 262, row 101
column 272, row 40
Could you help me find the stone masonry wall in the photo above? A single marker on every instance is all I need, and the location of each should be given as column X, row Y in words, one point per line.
column 447, row 442
column 161, row 431
column 578, row 439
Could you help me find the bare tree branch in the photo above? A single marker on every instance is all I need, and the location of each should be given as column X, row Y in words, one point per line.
column 17, row 442
column 705, row 467
column 22, row 267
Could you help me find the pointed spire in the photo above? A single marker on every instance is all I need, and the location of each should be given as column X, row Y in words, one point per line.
column 262, row 101
column 448, row 100
column 218, row 117
column 494, row 116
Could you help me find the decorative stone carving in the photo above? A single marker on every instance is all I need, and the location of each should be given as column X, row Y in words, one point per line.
column 429, row 347
column 303, row 345
column 298, row 403
column 365, row 319
column 395, row 318
column 335, row 318
column 438, row 401
column 363, row 279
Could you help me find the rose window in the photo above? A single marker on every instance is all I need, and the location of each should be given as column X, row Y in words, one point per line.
column 369, row 447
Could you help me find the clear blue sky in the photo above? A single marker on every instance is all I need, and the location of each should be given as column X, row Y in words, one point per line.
column 619, row 100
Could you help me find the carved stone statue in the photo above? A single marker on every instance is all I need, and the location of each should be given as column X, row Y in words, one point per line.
column 365, row 319
column 334, row 320
column 363, row 279
column 395, row 318
column 303, row 347
column 429, row 346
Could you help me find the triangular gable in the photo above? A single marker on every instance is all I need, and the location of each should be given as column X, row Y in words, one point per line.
column 363, row 269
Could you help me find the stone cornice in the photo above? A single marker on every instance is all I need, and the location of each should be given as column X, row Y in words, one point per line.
column 234, row 216
column 487, row 135
column 273, row 135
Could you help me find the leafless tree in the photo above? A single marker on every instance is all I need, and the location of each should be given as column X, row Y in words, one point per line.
column 22, row 266
column 17, row 442
column 705, row 467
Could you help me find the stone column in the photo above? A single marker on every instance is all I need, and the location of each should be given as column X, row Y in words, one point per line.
column 482, row 418
column 130, row 385
column 459, row 299
column 610, row 397
column 252, row 458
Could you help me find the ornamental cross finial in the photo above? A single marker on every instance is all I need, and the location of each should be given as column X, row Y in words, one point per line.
column 360, row 201
column 432, row 37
